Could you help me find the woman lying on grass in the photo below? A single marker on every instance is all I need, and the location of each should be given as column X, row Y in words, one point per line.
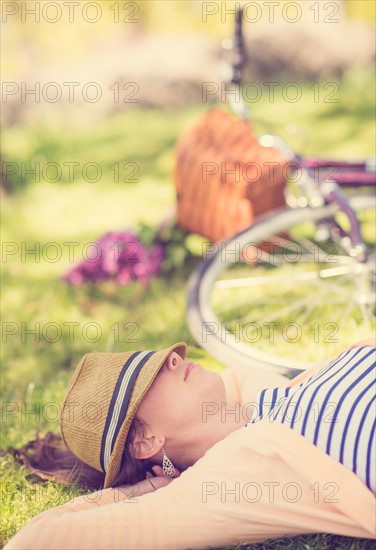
column 249, row 463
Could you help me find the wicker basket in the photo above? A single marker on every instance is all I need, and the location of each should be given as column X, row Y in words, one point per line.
column 224, row 178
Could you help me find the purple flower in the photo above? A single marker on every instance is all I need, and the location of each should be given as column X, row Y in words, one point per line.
column 118, row 256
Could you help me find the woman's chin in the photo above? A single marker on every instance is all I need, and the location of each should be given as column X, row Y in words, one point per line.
column 213, row 386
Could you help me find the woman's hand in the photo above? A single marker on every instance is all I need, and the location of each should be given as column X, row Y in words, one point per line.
column 158, row 480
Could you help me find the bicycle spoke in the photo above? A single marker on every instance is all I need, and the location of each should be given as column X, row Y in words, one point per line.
column 263, row 301
column 267, row 258
column 346, row 314
column 306, row 313
column 309, row 250
column 286, row 310
column 290, row 278
column 366, row 317
column 271, row 280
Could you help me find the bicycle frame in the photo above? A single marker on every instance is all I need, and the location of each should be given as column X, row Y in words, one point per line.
column 319, row 188
column 230, row 292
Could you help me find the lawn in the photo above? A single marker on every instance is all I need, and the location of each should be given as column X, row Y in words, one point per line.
column 48, row 325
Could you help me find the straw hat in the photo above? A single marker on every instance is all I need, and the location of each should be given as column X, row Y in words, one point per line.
column 102, row 400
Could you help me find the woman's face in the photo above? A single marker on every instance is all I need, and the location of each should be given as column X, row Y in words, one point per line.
column 183, row 396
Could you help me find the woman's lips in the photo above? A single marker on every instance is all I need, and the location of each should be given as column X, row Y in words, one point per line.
column 188, row 369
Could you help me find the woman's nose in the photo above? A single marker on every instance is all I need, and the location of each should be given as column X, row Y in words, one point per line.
column 173, row 361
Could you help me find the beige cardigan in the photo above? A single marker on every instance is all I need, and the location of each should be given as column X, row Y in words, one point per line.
column 260, row 482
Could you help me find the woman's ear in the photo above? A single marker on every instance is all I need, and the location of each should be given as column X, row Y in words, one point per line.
column 147, row 446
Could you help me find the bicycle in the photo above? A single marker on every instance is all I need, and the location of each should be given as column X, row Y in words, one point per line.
column 313, row 259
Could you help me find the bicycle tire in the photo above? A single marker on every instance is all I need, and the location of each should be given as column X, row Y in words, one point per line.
column 222, row 344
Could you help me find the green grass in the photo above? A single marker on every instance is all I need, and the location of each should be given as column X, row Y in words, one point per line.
column 36, row 370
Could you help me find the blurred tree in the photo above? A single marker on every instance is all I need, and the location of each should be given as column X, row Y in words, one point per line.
column 360, row 9
column 49, row 42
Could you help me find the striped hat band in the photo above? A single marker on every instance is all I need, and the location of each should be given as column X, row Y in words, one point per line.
column 119, row 403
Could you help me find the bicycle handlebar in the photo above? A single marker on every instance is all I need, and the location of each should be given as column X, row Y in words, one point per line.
column 238, row 48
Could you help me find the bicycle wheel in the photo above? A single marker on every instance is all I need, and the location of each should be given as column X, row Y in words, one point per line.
column 282, row 295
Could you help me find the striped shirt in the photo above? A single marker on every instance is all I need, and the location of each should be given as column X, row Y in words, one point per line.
column 335, row 409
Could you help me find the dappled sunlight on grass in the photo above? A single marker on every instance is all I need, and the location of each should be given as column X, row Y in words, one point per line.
column 47, row 212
